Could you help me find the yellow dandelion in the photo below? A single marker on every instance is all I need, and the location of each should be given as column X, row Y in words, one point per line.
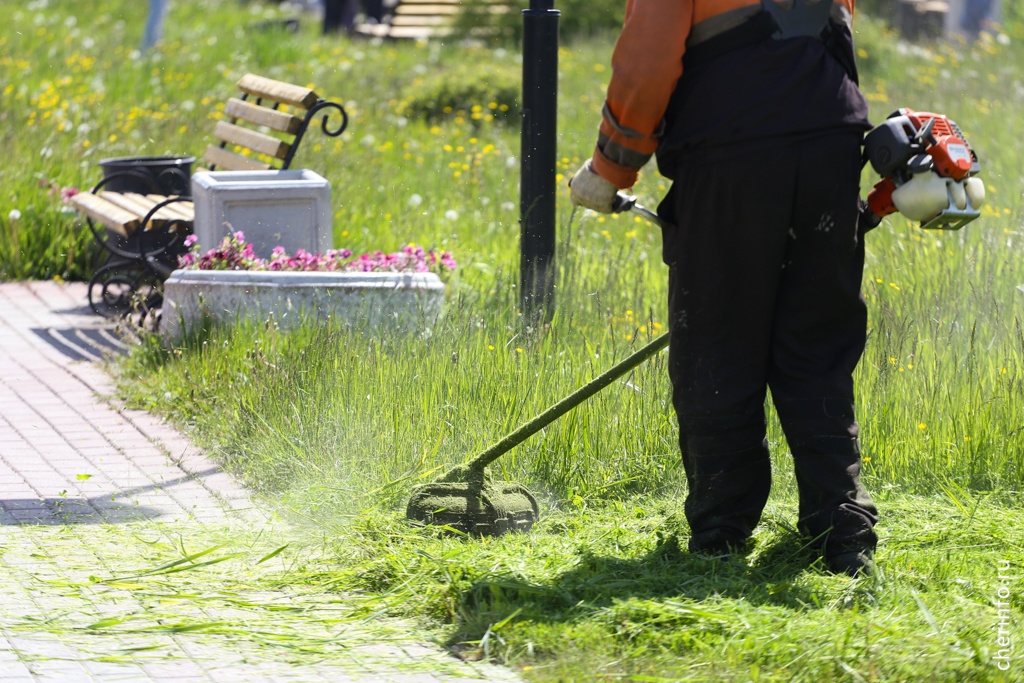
column 518, row 350
column 112, row 138
column 922, row 426
column 490, row 348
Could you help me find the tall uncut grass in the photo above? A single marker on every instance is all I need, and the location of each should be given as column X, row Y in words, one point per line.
column 939, row 388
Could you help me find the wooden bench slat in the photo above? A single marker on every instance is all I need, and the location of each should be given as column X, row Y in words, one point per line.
column 420, row 20
column 169, row 212
column 277, row 91
column 110, row 215
column 419, row 32
column 257, row 142
column 231, row 161
column 131, row 205
column 262, row 116
column 376, row 30
column 183, row 210
column 407, row 10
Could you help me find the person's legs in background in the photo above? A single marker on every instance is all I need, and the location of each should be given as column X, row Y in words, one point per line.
column 338, row 15
column 154, row 31
column 374, row 10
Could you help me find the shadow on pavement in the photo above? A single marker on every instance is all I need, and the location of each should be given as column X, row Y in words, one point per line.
column 61, row 511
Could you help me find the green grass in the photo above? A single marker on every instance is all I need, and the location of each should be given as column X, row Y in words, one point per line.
column 336, row 426
column 148, row 592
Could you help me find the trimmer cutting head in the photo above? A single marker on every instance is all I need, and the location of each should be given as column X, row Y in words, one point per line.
column 467, row 499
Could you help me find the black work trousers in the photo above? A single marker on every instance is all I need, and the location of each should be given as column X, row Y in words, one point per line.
column 764, row 292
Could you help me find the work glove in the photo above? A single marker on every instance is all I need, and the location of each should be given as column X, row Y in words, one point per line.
column 591, row 191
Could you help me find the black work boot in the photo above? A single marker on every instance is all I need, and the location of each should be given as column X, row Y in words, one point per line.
column 719, row 543
column 856, row 563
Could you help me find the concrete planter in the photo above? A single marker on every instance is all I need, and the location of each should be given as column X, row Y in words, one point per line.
column 404, row 301
column 291, row 209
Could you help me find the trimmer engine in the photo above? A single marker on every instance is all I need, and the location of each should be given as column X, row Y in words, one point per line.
column 927, row 170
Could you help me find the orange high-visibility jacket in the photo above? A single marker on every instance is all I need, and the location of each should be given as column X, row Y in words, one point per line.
column 646, row 65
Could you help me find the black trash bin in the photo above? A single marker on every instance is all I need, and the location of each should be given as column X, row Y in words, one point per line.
column 150, row 175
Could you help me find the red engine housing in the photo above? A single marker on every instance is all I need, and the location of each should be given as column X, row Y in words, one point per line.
column 950, row 152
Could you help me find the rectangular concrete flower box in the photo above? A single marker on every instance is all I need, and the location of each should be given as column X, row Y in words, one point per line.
column 406, row 302
column 291, row 209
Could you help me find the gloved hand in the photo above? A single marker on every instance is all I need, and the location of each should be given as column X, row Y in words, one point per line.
column 591, row 191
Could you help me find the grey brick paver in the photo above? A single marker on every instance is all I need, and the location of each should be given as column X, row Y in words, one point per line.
column 54, row 430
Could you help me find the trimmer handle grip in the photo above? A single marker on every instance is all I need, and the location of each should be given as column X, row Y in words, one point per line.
column 623, row 202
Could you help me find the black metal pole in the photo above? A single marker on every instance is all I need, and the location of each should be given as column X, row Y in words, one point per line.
column 539, row 155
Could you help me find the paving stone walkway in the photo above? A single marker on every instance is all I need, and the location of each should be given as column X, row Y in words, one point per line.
column 87, row 488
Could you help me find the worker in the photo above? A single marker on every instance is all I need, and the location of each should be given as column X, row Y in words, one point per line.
column 754, row 113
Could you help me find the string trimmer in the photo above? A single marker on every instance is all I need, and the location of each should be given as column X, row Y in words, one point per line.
column 468, row 499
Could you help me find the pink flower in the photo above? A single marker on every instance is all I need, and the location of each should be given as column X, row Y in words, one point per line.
column 66, row 193
column 234, row 253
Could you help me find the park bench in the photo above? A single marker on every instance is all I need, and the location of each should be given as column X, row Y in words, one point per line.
column 144, row 232
column 417, row 19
